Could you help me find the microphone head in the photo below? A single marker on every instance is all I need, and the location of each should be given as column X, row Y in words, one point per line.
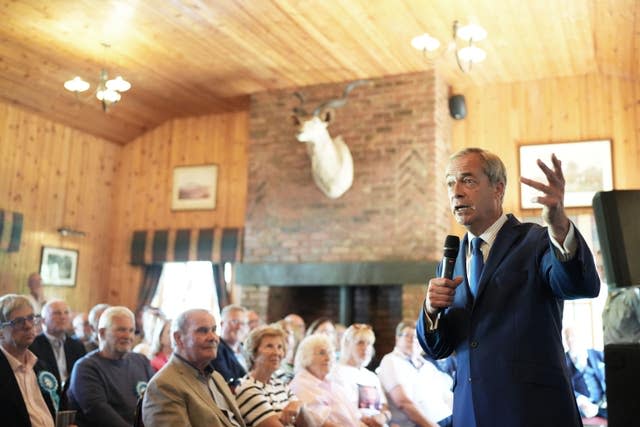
column 451, row 246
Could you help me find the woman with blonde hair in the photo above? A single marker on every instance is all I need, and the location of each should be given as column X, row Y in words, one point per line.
column 265, row 401
column 363, row 386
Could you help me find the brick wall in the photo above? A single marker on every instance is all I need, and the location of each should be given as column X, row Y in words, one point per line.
column 398, row 131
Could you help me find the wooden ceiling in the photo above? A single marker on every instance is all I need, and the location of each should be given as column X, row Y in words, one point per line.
column 191, row 57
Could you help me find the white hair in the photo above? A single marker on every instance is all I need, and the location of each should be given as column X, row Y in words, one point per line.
column 106, row 319
column 304, row 354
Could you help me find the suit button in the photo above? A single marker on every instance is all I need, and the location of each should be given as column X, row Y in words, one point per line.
column 474, row 344
column 469, row 379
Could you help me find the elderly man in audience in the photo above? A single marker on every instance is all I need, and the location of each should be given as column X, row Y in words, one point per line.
column 94, row 316
column 230, row 362
column 326, row 403
column 55, row 350
column 265, row 401
column 36, row 292
column 285, row 371
column 22, row 402
column 82, row 328
column 254, row 320
column 362, row 385
column 107, row 383
column 186, row 391
column 297, row 324
column 420, row 394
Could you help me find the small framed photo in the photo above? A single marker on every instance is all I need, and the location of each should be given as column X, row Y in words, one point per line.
column 194, row 187
column 586, row 166
column 58, row 266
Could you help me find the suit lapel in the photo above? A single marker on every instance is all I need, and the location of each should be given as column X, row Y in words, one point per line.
column 231, row 402
column 505, row 239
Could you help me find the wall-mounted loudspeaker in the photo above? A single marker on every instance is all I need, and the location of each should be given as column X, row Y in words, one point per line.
column 457, row 107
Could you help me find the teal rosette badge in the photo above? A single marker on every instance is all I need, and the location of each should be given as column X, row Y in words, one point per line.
column 48, row 382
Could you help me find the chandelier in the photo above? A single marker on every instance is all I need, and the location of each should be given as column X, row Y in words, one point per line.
column 466, row 54
column 108, row 90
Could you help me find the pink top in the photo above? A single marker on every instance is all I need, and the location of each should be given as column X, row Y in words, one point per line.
column 324, row 401
column 159, row 361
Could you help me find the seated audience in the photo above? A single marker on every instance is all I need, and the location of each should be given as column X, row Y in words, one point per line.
column 253, row 320
column 326, row 403
column 265, row 401
column 233, row 326
column 55, row 350
column 107, row 383
column 419, row 394
column 161, row 345
column 150, row 316
column 22, row 402
column 363, row 386
column 285, row 371
column 586, row 370
column 82, row 328
column 187, row 391
column 94, row 317
column 621, row 316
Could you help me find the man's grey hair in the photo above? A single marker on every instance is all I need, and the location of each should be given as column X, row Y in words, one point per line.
column 492, row 166
column 10, row 303
column 94, row 317
column 181, row 323
column 106, row 319
column 232, row 307
column 304, row 354
column 46, row 309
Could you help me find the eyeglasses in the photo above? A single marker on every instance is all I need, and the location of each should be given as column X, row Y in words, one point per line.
column 20, row 322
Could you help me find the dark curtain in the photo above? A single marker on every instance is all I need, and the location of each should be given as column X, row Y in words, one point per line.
column 149, row 285
column 221, row 286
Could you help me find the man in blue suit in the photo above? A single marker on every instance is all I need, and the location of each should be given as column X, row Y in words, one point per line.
column 502, row 311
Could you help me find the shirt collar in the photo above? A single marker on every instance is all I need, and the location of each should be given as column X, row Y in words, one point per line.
column 53, row 339
column 19, row 365
column 490, row 234
column 208, row 370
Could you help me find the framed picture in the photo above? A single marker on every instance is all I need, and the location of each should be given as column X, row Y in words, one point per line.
column 58, row 266
column 586, row 166
column 194, row 187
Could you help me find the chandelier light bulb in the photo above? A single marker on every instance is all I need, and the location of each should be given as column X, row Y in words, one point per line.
column 471, row 54
column 118, row 84
column 471, row 32
column 425, row 42
column 108, row 96
column 76, row 85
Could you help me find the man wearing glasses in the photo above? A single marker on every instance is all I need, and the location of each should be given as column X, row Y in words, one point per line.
column 22, row 402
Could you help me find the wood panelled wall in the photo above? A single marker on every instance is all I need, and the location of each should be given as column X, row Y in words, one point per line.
column 144, row 186
column 500, row 117
column 56, row 176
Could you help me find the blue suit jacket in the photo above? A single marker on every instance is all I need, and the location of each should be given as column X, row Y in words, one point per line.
column 511, row 368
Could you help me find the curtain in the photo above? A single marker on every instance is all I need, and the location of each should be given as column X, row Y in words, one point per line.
column 220, row 284
column 149, row 285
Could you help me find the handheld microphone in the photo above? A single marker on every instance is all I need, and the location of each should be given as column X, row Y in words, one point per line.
column 451, row 247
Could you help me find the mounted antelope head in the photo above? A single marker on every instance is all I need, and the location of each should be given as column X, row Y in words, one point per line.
column 331, row 161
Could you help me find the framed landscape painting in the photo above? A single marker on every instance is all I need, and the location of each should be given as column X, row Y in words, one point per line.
column 58, row 266
column 586, row 166
column 194, row 187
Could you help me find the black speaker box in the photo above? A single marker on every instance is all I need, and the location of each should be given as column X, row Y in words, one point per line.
column 622, row 372
column 457, row 107
column 616, row 213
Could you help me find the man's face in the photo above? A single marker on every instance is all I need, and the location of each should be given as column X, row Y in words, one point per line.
column 475, row 203
column 56, row 318
column 199, row 344
column 234, row 327
column 82, row 327
column 118, row 338
column 254, row 320
column 19, row 337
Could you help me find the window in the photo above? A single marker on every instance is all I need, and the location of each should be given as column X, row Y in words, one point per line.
column 186, row 285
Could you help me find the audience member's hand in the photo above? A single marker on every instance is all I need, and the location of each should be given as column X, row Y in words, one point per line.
column 552, row 200
column 586, row 407
column 440, row 293
column 290, row 413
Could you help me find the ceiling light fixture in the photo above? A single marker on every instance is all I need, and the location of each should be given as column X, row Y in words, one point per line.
column 466, row 55
column 108, row 91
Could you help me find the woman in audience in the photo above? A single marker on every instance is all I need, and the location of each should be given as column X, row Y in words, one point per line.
column 264, row 401
column 363, row 386
column 161, row 345
column 326, row 403
column 149, row 318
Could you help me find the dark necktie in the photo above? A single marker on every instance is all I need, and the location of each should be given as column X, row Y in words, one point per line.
column 476, row 265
